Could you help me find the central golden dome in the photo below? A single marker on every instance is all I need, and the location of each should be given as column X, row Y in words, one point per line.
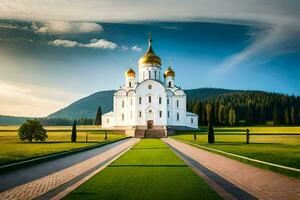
column 150, row 57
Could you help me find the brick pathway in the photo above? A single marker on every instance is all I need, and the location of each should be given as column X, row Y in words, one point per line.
column 262, row 184
column 40, row 186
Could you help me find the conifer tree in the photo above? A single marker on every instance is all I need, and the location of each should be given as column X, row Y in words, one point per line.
column 293, row 118
column 211, row 135
column 287, row 116
column 98, row 120
column 74, row 132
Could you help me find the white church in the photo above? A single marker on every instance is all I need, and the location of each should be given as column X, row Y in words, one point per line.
column 147, row 105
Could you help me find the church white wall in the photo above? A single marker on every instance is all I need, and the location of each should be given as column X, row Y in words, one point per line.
column 151, row 110
column 108, row 121
column 192, row 121
column 150, row 71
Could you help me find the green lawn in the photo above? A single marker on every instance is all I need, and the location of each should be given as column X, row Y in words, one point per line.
column 12, row 149
column 150, row 170
column 278, row 149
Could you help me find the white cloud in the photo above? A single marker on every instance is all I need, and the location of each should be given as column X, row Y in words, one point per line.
column 136, row 48
column 94, row 43
column 124, row 48
column 64, row 43
column 65, row 27
column 272, row 17
column 100, row 44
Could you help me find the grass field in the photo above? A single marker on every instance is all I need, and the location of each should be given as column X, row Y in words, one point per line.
column 12, row 149
column 270, row 147
column 150, row 170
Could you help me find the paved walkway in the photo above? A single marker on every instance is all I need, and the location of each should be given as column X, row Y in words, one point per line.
column 64, row 171
column 260, row 183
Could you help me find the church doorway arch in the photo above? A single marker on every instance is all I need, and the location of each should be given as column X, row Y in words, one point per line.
column 150, row 117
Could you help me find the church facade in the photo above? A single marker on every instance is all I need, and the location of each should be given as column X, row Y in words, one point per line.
column 149, row 103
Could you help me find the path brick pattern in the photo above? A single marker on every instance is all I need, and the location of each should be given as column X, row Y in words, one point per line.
column 40, row 186
column 262, row 184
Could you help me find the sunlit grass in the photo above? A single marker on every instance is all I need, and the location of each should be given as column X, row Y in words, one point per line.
column 277, row 149
column 12, row 149
column 150, row 170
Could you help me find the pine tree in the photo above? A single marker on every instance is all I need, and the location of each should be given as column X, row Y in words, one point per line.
column 74, row 132
column 293, row 118
column 275, row 116
column 211, row 135
column 287, row 116
column 220, row 114
column 232, row 117
column 98, row 120
column 208, row 110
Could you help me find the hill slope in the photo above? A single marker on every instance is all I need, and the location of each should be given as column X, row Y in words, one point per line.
column 87, row 106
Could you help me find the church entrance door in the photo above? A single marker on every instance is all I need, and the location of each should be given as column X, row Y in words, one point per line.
column 150, row 124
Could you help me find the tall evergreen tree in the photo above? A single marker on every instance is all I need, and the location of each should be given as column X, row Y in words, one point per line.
column 211, row 135
column 275, row 115
column 74, row 132
column 232, row 117
column 287, row 116
column 98, row 120
column 293, row 118
column 220, row 114
column 209, row 113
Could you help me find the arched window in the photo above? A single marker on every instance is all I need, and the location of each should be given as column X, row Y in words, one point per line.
column 149, row 99
column 123, row 103
column 154, row 74
column 170, row 84
column 168, row 114
column 177, row 103
column 130, row 84
column 159, row 100
column 149, row 74
column 177, row 116
column 140, row 100
column 123, row 117
column 192, row 120
column 160, row 114
column 140, row 114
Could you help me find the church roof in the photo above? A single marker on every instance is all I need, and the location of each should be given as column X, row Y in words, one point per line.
column 169, row 72
column 150, row 57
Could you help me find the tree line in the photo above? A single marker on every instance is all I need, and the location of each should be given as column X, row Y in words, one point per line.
column 247, row 108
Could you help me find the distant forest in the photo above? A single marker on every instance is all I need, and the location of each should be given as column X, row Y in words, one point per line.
column 247, row 108
column 65, row 122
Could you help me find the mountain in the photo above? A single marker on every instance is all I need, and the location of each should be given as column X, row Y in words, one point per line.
column 12, row 120
column 87, row 106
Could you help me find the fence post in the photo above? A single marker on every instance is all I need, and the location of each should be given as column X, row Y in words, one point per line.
column 247, row 136
column 195, row 135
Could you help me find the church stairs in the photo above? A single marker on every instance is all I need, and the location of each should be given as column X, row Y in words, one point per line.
column 154, row 133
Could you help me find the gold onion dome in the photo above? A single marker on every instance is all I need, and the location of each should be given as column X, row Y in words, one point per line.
column 169, row 72
column 130, row 72
column 150, row 57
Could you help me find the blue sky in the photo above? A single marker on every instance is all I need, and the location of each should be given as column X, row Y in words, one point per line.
column 54, row 53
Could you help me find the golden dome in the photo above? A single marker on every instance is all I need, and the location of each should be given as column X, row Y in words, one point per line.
column 169, row 72
column 150, row 57
column 130, row 72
